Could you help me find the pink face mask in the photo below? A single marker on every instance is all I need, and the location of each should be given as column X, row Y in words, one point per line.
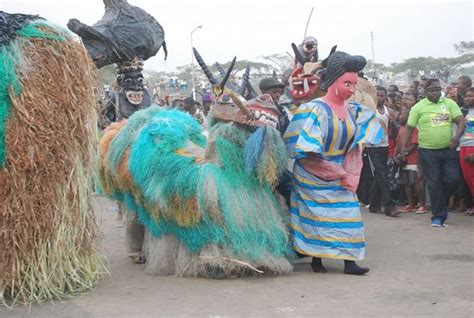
column 344, row 86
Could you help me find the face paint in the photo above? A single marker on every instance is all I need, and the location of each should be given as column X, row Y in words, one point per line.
column 345, row 85
column 132, row 84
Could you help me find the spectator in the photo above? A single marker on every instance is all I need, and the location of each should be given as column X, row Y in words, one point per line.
column 434, row 117
column 409, row 100
column 398, row 101
column 275, row 89
column 178, row 104
column 377, row 155
column 392, row 88
column 206, row 103
column 452, row 92
column 366, row 179
column 166, row 101
column 464, row 82
column 190, row 106
column 391, row 101
column 162, row 86
column 408, row 163
column 421, row 88
column 467, row 145
column 171, row 84
column 414, row 87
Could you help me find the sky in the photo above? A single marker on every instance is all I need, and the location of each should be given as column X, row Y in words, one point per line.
column 250, row 29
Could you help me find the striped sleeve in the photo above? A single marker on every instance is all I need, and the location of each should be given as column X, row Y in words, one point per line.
column 305, row 134
column 369, row 129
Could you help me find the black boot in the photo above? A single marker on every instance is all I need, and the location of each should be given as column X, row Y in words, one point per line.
column 351, row 268
column 317, row 265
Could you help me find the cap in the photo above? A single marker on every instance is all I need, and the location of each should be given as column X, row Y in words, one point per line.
column 432, row 83
column 207, row 98
column 189, row 101
column 268, row 83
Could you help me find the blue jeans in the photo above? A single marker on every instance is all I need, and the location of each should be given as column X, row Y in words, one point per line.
column 442, row 174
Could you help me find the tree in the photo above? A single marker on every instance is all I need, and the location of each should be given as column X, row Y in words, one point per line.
column 464, row 47
column 278, row 62
column 153, row 77
column 442, row 67
column 373, row 70
column 107, row 75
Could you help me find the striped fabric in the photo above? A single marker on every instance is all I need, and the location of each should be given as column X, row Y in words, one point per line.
column 325, row 217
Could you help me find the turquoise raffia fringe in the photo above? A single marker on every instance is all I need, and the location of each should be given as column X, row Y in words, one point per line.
column 234, row 202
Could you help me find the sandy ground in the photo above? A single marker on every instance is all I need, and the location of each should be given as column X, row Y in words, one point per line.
column 416, row 271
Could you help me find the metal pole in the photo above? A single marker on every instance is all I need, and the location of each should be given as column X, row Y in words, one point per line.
column 192, row 62
column 373, row 56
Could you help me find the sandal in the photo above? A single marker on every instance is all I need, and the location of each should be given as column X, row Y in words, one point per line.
column 408, row 208
column 421, row 210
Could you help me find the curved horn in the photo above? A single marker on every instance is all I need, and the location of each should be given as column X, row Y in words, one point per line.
column 230, row 85
column 324, row 62
column 204, row 67
column 239, row 102
column 299, row 57
column 229, row 71
column 245, row 81
column 251, row 91
column 220, row 69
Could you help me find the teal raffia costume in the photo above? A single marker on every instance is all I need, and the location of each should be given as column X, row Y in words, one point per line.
column 206, row 203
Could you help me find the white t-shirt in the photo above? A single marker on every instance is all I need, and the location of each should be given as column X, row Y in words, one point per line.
column 384, row 119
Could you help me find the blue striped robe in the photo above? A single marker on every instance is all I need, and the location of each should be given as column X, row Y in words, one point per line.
column 325, row 217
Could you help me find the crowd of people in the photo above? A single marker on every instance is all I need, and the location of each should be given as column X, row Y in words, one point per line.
column 426, row 145
column 169, row 86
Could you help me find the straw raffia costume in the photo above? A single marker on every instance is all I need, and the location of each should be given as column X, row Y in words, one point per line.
column 47, row 147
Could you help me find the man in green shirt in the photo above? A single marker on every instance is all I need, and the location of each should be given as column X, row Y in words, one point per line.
column 434, row 117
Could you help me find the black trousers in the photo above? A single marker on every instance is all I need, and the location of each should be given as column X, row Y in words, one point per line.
column 379, row 191
column 442, row 174
column 366, row 180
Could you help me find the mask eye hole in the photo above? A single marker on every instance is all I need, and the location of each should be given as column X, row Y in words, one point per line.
column 128, row 80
